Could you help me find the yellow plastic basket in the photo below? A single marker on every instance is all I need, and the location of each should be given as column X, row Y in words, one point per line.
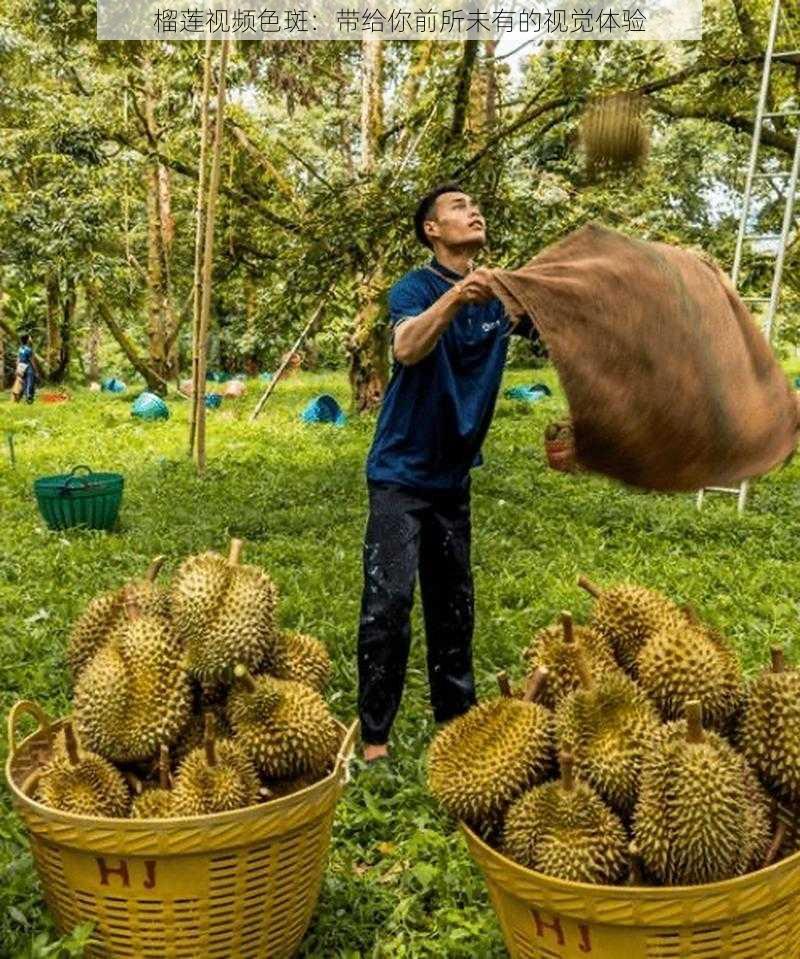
column 242, row 883
column 756, row 916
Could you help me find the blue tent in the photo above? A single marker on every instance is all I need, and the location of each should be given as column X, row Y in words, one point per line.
column 148, row 406
column 528, row 394
column 113, row 385
column 324, row 409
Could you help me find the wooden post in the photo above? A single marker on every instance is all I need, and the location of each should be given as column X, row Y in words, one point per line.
column 208, row 257
column 288, row 358
column 198, row 241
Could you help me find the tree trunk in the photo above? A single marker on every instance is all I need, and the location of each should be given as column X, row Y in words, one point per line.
column 93, row 351
column 369, row 346
column 57, row 373
column 371, row 102
column 160, row 229
column 155, row 278
column 490, row 118
column 368, row 342
column 52, row 351
column 155, row 383
column 463, row 86
column 208, row 260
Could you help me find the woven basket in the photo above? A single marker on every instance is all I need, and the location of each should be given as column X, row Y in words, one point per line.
column 242, row 883
column 756, row 916
column 68, row 499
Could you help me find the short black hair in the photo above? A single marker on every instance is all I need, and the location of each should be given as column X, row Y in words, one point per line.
column 426, row 204
column 25, row 339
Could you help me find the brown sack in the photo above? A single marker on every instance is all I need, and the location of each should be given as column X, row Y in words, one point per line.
column 671, row 384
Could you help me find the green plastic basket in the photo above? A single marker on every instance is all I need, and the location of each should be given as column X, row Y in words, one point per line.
column 91, row 499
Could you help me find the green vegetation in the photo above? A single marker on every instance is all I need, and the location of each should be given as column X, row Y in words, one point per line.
column 400, row 882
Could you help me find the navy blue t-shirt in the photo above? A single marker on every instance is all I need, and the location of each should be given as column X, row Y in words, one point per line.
column 436, row 413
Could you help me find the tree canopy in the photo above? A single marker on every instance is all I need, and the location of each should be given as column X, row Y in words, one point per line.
column 328, row 146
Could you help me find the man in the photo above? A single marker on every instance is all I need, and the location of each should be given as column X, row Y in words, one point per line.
column 27, row 371
column 450, row 339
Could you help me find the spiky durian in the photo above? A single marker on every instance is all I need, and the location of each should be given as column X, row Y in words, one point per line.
column 193, row 734
column 134, row 694
column 156, row 802
column 606, row 724
column 769, row 729
column 482, row 760
column 564, row 829
column 283, row 726
column 78, row 781
column 224, row 612
column 697, row 819
column 215, row 778
column 686, row 661
column 107, row 611
column 626, row 616
column 552, row 648
column 301, row 658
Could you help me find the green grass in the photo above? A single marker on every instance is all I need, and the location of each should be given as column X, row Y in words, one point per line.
column 400, row 883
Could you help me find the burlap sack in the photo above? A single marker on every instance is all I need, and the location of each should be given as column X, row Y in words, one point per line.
column 671, row 384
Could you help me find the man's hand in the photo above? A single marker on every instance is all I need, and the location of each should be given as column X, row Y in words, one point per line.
column 475, row 288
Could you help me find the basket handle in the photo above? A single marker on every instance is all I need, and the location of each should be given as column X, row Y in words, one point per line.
column 33, row 709
column 73, row 475
column 344, row 757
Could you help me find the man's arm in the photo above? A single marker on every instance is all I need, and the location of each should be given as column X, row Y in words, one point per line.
column 415, row 337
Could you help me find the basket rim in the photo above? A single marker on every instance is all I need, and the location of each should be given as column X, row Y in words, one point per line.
column 339, row 773
column 652, row 893
column 56, row 481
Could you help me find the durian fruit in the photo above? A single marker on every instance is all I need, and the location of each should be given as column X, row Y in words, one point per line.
column 565, row 830
column 283, row 726
column 626, row 616
column 483, row 759
column 224, row 612
column 685, row 661
column 613, row 133
column 606, row 724
column 552, row 648
column 769, row 728
column 301, row 658
column 107, row 611
column 156, row 802
column 80, row 782
column 215, row 778
column 134, row 694
column 193, row 735
column 699, row 817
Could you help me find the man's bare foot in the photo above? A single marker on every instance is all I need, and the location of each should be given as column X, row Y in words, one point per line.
column 373, row 752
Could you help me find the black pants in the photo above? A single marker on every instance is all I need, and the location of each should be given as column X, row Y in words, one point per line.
column 410, row 532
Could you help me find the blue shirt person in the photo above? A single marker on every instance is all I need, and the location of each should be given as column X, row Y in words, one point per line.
column 450, row 340
column 436, row 412
column 26, row 377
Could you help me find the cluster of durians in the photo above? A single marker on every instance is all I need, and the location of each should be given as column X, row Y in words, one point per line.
column 189, row 699
column 636, row 753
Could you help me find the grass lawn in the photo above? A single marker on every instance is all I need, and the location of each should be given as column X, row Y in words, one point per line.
column 400, row 883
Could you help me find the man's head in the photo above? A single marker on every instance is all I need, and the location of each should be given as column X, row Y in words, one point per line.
column 25, row 339
column 449, row 217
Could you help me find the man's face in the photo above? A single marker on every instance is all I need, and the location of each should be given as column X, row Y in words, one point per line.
column 456, row 221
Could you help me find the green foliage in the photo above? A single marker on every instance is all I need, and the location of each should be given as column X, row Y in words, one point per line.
column 400, row 882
